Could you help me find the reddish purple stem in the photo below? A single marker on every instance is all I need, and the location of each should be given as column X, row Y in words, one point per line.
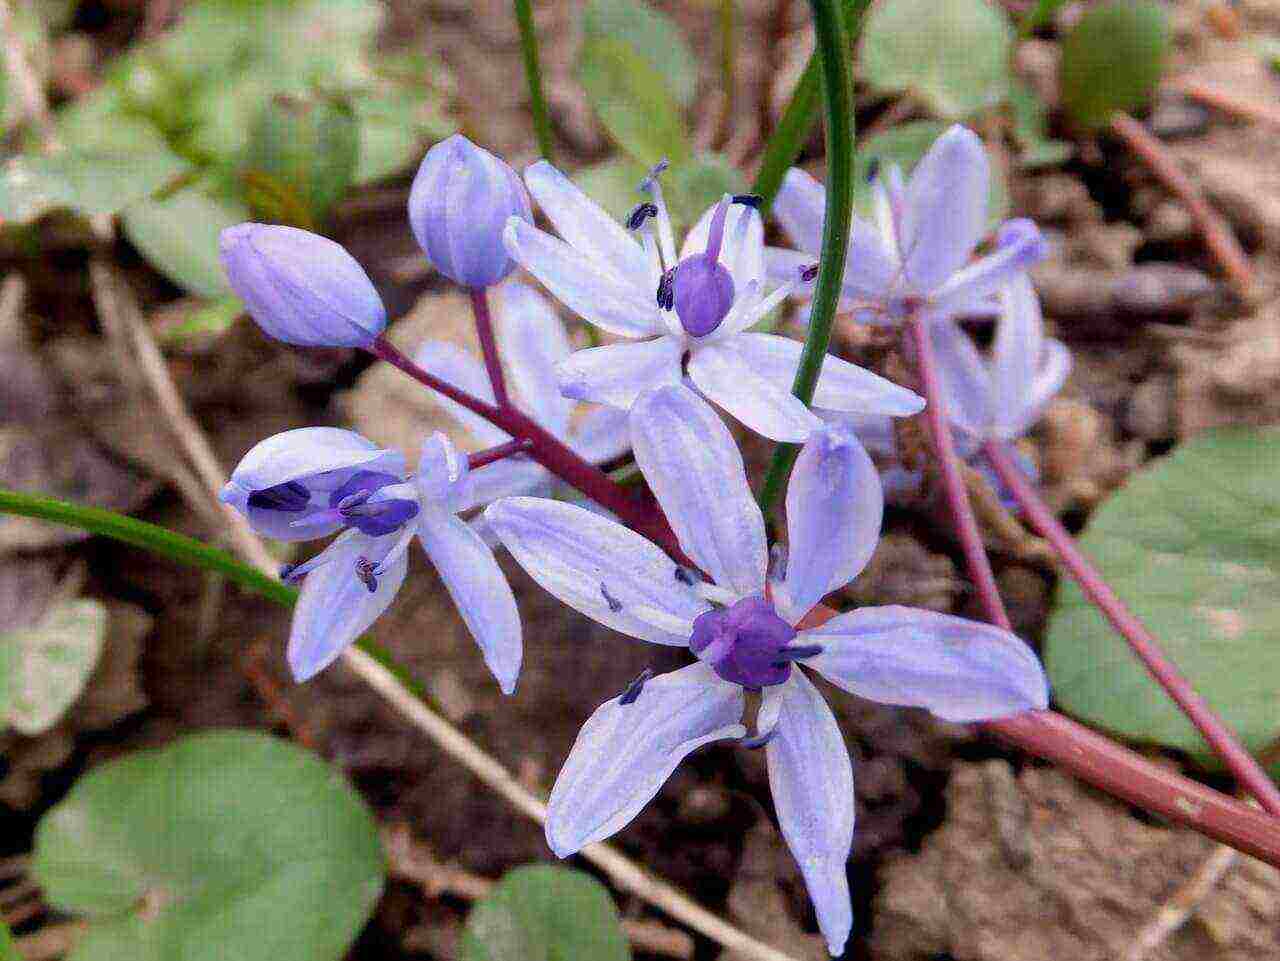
column 488, row 345
column 483, row 458
column 1248, row 773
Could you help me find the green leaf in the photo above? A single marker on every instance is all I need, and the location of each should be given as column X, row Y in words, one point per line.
column 632, row 101
column 230, row 844
column 87, row 181
column 953, row 53
column 652, row 35
column 1192, row 545
column 44, row 667
column 395, row 127
column 1113, row 60
column 209, row 320
column 8, row 950
column 310, row 145
column 544, row 912
column 690, row 188
column 904, row 145
column 1031, row 130
column 179, row 237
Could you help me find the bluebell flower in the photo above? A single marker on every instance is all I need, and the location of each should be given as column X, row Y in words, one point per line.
column 742, row 627
column 460, row 201
column 695, row 310
column 301, row 288
column 916, row 256
column 532, row 342
column 316, row 481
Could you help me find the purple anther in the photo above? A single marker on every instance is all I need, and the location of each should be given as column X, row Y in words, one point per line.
column 615, row 605
column 642, row 212
column 666, row 291
column 631, row 693
column 368, row 572
column 292, row 497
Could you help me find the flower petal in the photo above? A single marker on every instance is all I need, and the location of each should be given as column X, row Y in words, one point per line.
column 510, row 478
column 960, row 670
column 965, row 380
column 945, row 210
column 479, row 591
column 583, row 285
column 601, row 435
column 626, row 752
column 748, row 265
column 1019, row 247
column 720, row 371
column 451, row 363
column 841, row 386
column 1027, row 369
column 695, row 470
column 811, row 778
column 598, row 567
column 835, row 506
column 335, row 606
column 617, row 374
column 533, row 341
column 585, row 224
column 1055, row 368
column 799, row 207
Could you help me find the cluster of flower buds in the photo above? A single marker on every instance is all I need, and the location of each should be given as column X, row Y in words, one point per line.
column 686, row 322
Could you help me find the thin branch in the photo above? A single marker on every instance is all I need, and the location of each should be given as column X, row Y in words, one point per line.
column 1174, row 913
column 1244, row 107
column 1218, row 236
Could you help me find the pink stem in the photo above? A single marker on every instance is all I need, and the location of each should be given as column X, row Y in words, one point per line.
column 489, row 346
column 1248, row 773
column 483, row 458
column 975, row 553
column 640, row 515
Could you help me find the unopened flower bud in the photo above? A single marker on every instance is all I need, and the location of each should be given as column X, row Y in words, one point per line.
column 301, row 288
column 461, row 199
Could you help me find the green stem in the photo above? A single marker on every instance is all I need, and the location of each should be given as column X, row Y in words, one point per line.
column 533, row 74
column 184, row 550
column 801, row 113
column 728, row 56
column 837, row 88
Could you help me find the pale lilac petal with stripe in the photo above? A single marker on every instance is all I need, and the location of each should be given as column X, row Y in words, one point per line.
column 811, row 778
column 617, row 374
column 695, row 470
column 799, row 207
column 966, row 381
column 479, row 591
column 532, row 342
column 601, row 434
column 721, row 372
column 960, row 670
column 1020, row 246
column 626, row 752
column 454, row 365
column 945, row 208
column 1055, row 368
column 598, row 567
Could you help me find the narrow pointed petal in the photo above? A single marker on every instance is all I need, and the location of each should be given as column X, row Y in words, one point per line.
column 335, row 606
column 966, row 382
column 960, row 670
column 585, row 286
column 799, row 207
column 533, row 342
column 584, row 223
column 601, row 435
column 451, row 363
column 841, row 386
column 443, row 480
column 782, row 264
column 510, row 478
column 598, row 567
column 835, row 506
column 1055, row 368
column 695, row 470
column 811, row 778
column 875, row 432
column 871, row 269
column 749, row 265
column 479, row 591
column 1020, row 247
column 726, row 377
column 945, row 209
column 617, row 374
column 626, row 752
column 1015, row 355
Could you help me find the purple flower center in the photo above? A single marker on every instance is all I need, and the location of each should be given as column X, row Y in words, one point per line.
column 355, row 504
column 702, row 287
column 747, row 643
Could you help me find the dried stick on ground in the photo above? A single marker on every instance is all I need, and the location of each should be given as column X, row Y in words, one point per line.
column 1221, row 98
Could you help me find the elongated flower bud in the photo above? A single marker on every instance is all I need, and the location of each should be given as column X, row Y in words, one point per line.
column 302, row 288
column 460, row 202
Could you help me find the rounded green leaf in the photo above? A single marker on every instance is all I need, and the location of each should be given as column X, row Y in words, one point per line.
column 308, row 146
column 632, row 101
column 953, row 53
column 230, row 844
column 653, row 35
column 1192, row 545
column 544, row 912
column 87, row 181
column 179, row 237
column 1113, row 60
column 45, row 666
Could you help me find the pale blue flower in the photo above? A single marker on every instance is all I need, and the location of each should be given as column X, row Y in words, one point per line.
column 917, row 254
column 301, row 288
column 532, row 342
column 315, row 481
column 461, row 198
column 742, row 627
column 695, row 310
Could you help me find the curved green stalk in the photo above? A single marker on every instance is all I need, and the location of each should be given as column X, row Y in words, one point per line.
column 533, row 75
column 801, row 113
column 837, row 87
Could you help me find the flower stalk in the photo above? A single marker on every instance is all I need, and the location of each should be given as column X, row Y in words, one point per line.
column 489, row 345
column 533, row 76
column 1248, row 773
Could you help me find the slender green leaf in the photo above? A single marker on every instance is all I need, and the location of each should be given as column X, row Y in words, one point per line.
column 1113, row 59
column 1192, row 544
column 652, row 35
column 179, row 237
column 8, row 950
column 632, row 101
column 89, row 182
column 44, row 666
column 1031, row 130
column 229, row 844
column 545, row 912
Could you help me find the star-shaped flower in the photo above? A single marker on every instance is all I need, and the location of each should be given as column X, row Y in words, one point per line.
column 696, row 310
column 917, row 254
column 316, row 481
column 744, row 631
